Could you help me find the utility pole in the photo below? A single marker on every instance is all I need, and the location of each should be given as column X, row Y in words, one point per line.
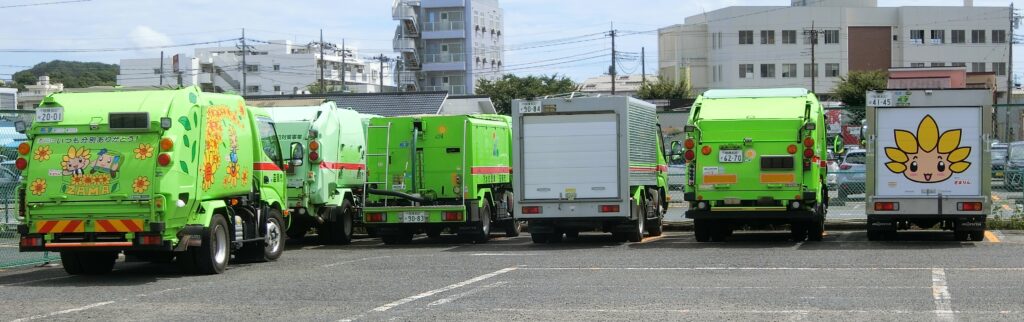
column 813, row 36
column 611, row 71
column 398, row 74
column 382, row 59
column 245, row 68
column 1009, row 63
column 643, row 65
column 323, row 89
column 344, row 54
column 162, row 68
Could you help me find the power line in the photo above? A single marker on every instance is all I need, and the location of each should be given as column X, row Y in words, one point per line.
column 92, row 50
column 41, row 4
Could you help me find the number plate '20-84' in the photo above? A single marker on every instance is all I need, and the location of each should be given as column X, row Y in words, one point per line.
column 730, row 156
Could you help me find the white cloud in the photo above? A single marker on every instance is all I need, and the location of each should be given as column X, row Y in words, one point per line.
column 144, row 36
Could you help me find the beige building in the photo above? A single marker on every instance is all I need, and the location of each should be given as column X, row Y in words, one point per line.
column 626, row 85
column 34, row 94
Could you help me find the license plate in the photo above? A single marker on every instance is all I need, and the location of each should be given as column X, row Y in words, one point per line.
column 730, row 156
column 50, row 114
column 414, row 217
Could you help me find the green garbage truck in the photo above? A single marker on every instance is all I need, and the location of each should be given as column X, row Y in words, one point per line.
column 160, row 175
column 439, row 173
column 326, row 165
column 756, row 156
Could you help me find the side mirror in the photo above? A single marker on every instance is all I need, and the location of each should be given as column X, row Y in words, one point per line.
column 676, row 148
column 810, row 126
column 20, row 127
column 297, row 155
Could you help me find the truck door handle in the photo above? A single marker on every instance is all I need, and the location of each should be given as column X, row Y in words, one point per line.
column 266, row 180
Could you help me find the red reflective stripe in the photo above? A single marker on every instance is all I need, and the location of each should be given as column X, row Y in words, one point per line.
column 663, row 168
column 132, row 227
column 47, row 227
column 643, row 169
column 342, row 166
column 265, row 166
column 107, row 227
column 491, row 170
column 72, row 226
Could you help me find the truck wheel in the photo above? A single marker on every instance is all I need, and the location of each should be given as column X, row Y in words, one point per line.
column 798, row 231
column 977, row 236
column 539, row 238
column 88, row 263
column 816, row 228
column 482, row 230
column 513, row 227
column 299, row 227
column 272, row 246
column 720, row 231
column 636, row 233
column 654, row 226
column 212, row 256
column 702, row 230
column 339, row 231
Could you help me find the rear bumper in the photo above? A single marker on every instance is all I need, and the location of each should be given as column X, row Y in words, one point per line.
column 752, row 215
column 396, row 216
column 961, row 222
column 94, row 241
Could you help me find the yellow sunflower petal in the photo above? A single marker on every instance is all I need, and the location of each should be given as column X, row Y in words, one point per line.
column 949, row 141
column 959, row 154
column 896, row 167
column 896, row 155
column 906, row 141
column 928, row 134
column 959, row 167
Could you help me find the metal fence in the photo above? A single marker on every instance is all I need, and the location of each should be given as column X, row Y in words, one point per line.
column 10, row 178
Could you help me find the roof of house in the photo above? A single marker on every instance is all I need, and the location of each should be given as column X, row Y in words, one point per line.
column 383, row 104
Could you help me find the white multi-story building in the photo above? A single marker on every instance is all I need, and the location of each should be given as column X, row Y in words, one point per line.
column 448, row 45
column 272, row 67
column 34, row 94
column 8, row 98
column 770, row 46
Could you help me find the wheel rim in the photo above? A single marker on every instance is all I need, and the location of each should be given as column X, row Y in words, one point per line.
column 273, row 236
column 219, row 240
column 485, row 220
column 347, row 223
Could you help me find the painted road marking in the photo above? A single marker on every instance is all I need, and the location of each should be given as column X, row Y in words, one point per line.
column 51, row 314
column 1008, row 269
column 940, row 293
column 991, row 237
column 504, row 254
column 652, row 239
column 392, row 305
column 466, row 293
column 353, row 261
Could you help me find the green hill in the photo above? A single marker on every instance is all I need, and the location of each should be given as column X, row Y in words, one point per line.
column 72, row 74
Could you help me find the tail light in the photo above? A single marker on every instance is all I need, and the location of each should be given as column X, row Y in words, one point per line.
column 32, row 241
column 314, row 156
column 808, row 153
column 609, row 208
column 314, row 145
column 166, row 144
column 453, row 216
column 314, row 151
column 151, row 240
column 21, row 164
column 791, row 149
column 968, row 206
column 706, row 150
column 375, row 217
column 689, row 155
column 808, row 142
column 531, row 210
column 689, row 144
column 887, row 206
column 164, row 159
column 24, row 148
column 845, row 166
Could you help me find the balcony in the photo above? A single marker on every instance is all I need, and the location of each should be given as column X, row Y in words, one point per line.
column 444, row 58
column 451, row 89
column 406, row 11
column 444, row 26
column 404, row 44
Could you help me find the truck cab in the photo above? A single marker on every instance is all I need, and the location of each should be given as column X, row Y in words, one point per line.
column 756, row 156
column 156, row 174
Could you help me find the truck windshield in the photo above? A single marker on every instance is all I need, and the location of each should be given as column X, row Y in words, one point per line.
column 1017, row 152
column 268, row 137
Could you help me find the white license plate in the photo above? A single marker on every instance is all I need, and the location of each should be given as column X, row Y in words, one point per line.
column 50, row 114
column 414, row 217
column 730, row 156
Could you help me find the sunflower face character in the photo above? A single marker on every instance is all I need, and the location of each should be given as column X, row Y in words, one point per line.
column 928, row 157
column 75, row 161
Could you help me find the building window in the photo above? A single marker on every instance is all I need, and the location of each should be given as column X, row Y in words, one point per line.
column 789, row 37
column 252, row 89
column 977, row 36
column 999, row 36
column 746, row 37
column 252, row 68
column 767, row 70
column 810, row 70
column 831, row 70
column 746, row 70
column 977, row 67
column 917, row 36
column 767, row 37
column 156, row 71
column 938, row 37
column 958, row 64
column 938, row 64
column 999, row 69
column 788, row 70
column 958, row 37
column 277, row 67
column 917, row 65
column 277, row 88
column 831, row 36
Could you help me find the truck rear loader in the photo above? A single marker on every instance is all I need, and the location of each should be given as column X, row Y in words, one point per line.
column 435, row 173
column 588, row 163
column 756, row 156
column 159, row 175
column 326, row 167
column 928, row 161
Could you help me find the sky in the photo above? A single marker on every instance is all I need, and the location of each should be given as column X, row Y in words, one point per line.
column 531, row 28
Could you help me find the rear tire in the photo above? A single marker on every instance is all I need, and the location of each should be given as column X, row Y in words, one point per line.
column 539, row 238
column 212, row 256
column 654, row 226
column 720, row 231
column 702, row 230
column 513, row 227
column 636, row 233
column 272, row 246
column 299, row 227
column 481, row 230
column 816, row 228
column 339, row 231
column 88, row 263
column 798, row 231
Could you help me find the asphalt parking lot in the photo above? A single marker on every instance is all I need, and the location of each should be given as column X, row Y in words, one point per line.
column 757, row 276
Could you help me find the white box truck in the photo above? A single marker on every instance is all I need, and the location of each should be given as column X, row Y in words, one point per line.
column 588, row 163
column 928, row 161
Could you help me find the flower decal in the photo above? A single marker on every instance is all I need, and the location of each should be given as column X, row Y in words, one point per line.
column 42, row 153
column 928, row 157
column 38, row 187
column 140, row 185
column 144, row 151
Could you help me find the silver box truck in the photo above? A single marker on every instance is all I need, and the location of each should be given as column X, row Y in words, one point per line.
column 588, row 163
column 928, row 161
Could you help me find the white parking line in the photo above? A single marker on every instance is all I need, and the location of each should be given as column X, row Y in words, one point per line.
column 51, row 314
column 769, row 268
column 940, row 293
column 466, row 293
column 392, row 305
column 353, row 261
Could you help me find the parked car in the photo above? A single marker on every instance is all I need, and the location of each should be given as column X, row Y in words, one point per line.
column 999, row 152
column 676, row 174
column 10, row 177
column 850, row 177
column 1014, row 166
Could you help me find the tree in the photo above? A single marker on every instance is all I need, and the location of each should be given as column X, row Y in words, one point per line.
column 664, row 89
column 852, row 87
column 72, row 74
column 510, row 87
